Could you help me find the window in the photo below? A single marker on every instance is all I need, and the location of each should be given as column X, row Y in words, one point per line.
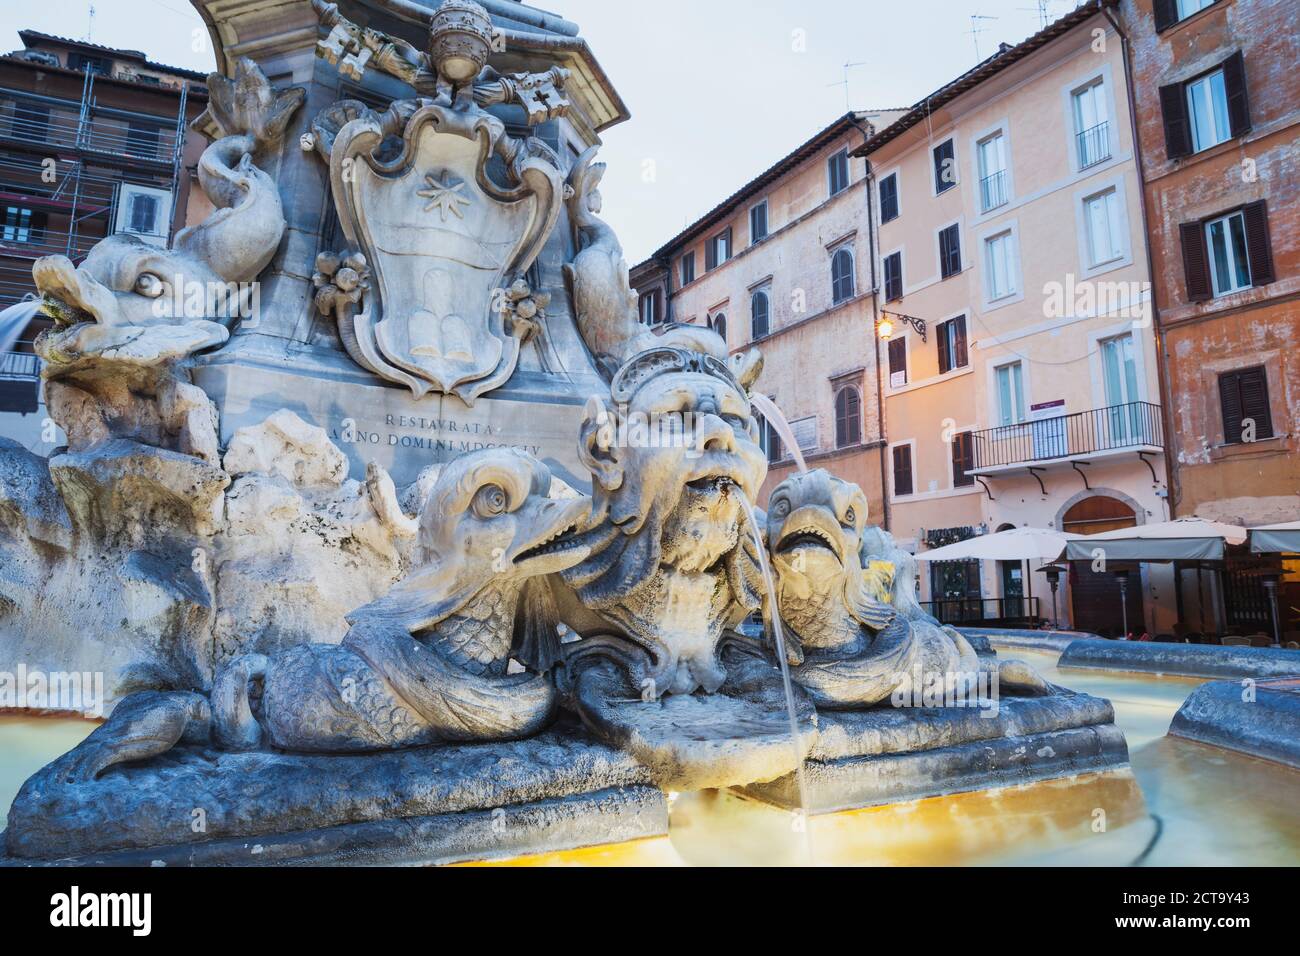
column 142, row 139
column 893, row 267
column 949, row 251
column 897, row 362
column 1124, row 420
column 804, row 431
column 1243, row 396
column 768, row 439
column 719, row 324
column 1091, row 124
column 1207, row 110
column 90, row 64
column 1207, row 107
column 143, row 211
column 837, row 171
column 999, row 259
column 993, row 171
column 889, row 198
column 848, row 417
column 22, row 225
column 1169, row 12
column 951, row 339
column 1227, row 253
column 1104, row 227
column 688, row 268
column 842, row 285
column 902, row 470
column 1229, row 261
column 760, row 311
column 758, row 222
column 1011, row 393
column 717, row 250
column 963, row 459
column 650, row 307
column 945, row 167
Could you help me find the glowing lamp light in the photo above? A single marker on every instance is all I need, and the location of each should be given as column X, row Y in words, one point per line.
column 884, row 328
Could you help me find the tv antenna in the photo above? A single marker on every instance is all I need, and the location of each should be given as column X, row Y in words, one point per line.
column 845, row 82
column 90, row 21
column 1042, row 8
column 976, row 30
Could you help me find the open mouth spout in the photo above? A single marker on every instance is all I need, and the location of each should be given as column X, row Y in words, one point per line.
column 810, row 533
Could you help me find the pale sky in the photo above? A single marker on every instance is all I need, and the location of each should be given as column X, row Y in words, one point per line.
column 718, row 89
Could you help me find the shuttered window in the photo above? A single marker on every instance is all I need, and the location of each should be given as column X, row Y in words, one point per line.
column 837, row 172
column 963, row 459
column 1206, row 110
column 1228, row 252
column 893, row 276
column 1243, row 396
column 848, row 417
column 897, row 362
column 758, row 222
column 949, row 251
column 760, row 314
column 842, row 285
column 889, row 198
column 1169, row 12
column 688, row 268
column 951, row 336
column 902, row 470
column 717, row 250
column 945, row 167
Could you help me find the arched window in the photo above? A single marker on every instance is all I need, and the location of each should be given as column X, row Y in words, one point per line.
column 719, row 324
column 848, row 417
column 760, row 310
column 842, row 276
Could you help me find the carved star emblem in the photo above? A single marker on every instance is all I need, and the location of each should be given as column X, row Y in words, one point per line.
column 444, row 197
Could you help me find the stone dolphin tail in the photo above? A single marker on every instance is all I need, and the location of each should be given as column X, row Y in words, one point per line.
column 426, row 664
column 603, row 301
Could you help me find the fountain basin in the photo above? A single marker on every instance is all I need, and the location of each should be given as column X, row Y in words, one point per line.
column 1183, row 660
column 1260, row 719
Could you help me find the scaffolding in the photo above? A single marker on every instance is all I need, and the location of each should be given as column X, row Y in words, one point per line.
column 64, row 164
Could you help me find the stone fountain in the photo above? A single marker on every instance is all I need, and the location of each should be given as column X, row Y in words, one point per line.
column 406, row 284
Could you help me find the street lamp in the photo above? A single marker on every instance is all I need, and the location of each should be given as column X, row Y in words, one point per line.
column 885, row 324
column 1053, row 572
column 1270, row 580
column 1122, row 577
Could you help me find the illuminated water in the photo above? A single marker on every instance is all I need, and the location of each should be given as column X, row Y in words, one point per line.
column 1213, row 807
column 14, row 319
column 769, row 410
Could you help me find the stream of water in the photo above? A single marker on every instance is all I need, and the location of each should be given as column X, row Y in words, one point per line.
column 773, row 620
column 14, row 320
column 769, row 410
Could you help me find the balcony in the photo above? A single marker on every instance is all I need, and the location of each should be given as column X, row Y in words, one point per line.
column 1079, row 437
column 993, row 190
column 1093, row 145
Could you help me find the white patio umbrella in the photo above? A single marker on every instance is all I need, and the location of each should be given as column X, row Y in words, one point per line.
column 1015, row 544
column 1276, row 538
column 1184, row 539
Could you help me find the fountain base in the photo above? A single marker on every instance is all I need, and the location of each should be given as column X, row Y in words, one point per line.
column 559, row 790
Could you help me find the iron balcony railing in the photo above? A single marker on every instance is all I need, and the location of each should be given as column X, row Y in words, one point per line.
column 972, row 610
column 1094, row 145
column 993, row 190
column 1133, row 424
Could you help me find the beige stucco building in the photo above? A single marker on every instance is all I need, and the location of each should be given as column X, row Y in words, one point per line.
column 785, row 263
column 1009, row 217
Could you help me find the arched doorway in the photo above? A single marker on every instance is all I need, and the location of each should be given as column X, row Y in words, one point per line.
column 1094, row 595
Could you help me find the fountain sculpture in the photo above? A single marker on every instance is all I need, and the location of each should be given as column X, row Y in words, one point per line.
column 310, row 666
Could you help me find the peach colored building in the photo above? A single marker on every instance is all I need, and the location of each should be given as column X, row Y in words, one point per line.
column 1009, row 219
column 785, row 264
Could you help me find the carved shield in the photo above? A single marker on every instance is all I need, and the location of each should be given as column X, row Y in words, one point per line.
column 441, row 238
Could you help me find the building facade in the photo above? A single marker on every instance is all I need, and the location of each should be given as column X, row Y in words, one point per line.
column 1022, row 384
column 785, row 264
column 93, row 141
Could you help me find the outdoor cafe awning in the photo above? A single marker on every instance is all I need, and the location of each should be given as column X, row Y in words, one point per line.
column 1015, row 544
column 1276, row 538
column 1185, row 539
